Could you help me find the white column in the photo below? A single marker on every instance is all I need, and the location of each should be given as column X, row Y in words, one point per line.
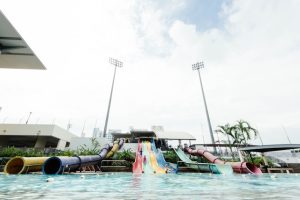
column 61, row 145
column 241, row 156
column 40, row 143
column 264, row 159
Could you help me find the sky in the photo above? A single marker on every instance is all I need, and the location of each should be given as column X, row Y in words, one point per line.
column 250, row 50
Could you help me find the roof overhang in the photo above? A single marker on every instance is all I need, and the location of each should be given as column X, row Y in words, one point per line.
column 142, row 134
column 121, row 135
column 166, row 135
column 268, row 148
column 14, row 51
column 174, row 135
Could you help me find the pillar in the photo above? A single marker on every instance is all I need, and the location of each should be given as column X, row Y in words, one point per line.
column 241, row 156
column 40, row 142
column 61, row 144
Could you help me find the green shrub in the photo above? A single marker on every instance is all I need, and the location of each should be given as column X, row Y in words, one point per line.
column 63, row 153
column 171, row 156
column 32, row 152
column 27, row 152
column 94, row 150
column 259, row 161
column 125, row 155
column 122, row 163
column 10, row 152
column 199, row 159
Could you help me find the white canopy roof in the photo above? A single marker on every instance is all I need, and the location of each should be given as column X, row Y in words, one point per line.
column 14, row 52
column 174, row 135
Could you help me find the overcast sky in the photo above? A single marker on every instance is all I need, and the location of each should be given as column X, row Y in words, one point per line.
column 250, row 49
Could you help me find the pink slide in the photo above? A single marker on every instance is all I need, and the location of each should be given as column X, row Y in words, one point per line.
column 137, row 167
column 238, row 167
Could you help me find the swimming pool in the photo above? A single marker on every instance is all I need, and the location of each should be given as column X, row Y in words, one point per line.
column 170, row 186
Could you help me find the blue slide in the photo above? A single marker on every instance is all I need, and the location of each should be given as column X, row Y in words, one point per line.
column 172, row 168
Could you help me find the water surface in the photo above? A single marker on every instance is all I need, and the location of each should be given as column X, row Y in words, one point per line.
column 170, row 186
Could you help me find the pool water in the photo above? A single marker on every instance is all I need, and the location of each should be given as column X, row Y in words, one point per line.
column 169, row 186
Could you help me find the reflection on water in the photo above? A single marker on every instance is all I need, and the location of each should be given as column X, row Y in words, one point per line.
column 169, row 186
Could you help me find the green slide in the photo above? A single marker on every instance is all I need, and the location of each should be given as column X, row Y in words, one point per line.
column 203, row 167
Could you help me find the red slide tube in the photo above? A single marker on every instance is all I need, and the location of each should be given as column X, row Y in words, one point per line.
column 238, row 167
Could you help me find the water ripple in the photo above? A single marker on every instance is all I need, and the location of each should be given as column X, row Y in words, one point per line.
column 170, row 186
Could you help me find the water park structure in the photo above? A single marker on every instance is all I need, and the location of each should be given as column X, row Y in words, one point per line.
column 203, row 167
column 59, row 165
column 238, row 167
column 150, row 160
column 15, row 53
column 149, row 148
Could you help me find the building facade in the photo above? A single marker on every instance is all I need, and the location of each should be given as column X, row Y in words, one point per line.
column 34, row 136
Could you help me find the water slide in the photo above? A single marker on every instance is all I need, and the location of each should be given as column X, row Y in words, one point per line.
column 146, row 163
column 146, row 160
column 116, row 147
column 137, row 167
column 203, row 167
column 23, row 165
column 153, row 161
column 238, row 167
column 59, row 165
column 171, row 168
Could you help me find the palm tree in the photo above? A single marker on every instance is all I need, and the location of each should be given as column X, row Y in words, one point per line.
column 240, row 133
column 245, row 132
column 227, row 130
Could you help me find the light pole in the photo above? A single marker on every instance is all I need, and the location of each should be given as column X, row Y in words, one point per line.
column 116, row 63
column 28, row 118
column 197, row 66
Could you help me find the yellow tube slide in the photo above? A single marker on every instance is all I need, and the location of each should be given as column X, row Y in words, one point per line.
column 23, row 165
column 114, row 149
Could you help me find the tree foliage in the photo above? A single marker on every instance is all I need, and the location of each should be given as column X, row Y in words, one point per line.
column 33, row 152
column 240, row 133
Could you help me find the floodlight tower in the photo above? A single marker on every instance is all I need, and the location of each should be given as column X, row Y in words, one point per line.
column 197, row 66
column 116, row 63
